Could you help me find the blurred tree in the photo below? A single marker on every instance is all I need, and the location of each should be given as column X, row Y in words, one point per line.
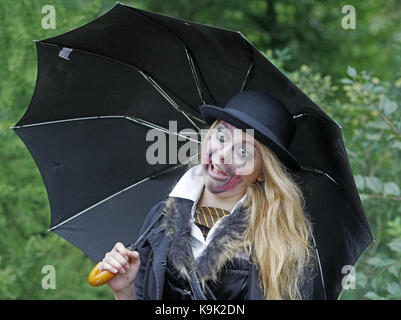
column 25, row 245
column 310, row 29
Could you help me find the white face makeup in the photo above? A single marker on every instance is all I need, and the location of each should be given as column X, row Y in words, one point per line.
column 231, row 161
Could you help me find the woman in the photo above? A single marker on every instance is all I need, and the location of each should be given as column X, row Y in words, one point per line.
column 258, row 247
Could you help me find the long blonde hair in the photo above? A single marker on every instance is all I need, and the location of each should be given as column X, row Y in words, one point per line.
column 279, row 231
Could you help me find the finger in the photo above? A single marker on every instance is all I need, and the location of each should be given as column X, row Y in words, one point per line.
column 116, row 260
column 119, row 247
column 107, row 267
column 114, row 263
column 116, row 255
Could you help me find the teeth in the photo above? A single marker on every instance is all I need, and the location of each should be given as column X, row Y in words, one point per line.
column 218, row 170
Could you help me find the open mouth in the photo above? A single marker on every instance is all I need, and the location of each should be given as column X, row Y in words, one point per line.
column 216, row 172
column 227, row 180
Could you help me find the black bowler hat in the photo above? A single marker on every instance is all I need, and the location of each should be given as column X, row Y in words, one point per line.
column 272, row 122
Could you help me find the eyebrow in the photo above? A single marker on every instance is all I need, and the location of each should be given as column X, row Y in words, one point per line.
column 226, row 124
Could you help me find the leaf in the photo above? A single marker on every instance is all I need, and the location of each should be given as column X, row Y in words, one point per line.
column 346, row 81
column 395, row 270
column 382, row 103
column 373, row 137
column 378, row 89
column 362, row 280
column 372, row 296
column 351, row 72
column 394, row 289
column 378, row 124
column 360, row 182
column 390, row 107
column 374, row 184
column 390, row 188
column 396, row 144
column 376, row 262
column 368, row 86
column 395, row 245
column 387, row 106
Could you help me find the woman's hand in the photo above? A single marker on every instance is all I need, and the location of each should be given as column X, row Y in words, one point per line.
column 125, row 264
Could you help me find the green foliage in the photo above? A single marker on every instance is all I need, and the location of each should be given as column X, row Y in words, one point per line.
column 354, row 76
column 25, row 246
column 373, row 137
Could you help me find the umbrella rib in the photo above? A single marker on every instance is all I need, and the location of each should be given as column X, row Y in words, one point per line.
column 54, row 121
column 315, row 170
column 320, row 266
column 194, row 74
column 189, row 56
column 254, row 48
column 136, row 120
column 152, row 125
column 147, row 77
column 246, row 76
column 98, row 203
column 117, row 193
column 303, row 114
column 166, row 96
column 319, row 171
column 251, row 57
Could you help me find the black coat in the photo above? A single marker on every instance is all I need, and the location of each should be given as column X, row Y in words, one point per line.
column 169, row 242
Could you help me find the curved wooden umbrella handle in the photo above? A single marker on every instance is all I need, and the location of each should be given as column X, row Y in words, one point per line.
column 97, row 278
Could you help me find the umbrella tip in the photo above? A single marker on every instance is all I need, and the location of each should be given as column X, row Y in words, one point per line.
column 338, row 124
column 241, row 34
column 118, row 2
column 35, row 40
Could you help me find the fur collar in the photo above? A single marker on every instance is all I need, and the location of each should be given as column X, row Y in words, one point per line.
column 223, row 247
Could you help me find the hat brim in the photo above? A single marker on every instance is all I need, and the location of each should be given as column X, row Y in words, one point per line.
column 242, row 121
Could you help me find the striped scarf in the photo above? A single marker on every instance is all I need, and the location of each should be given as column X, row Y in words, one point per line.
column 206, row 217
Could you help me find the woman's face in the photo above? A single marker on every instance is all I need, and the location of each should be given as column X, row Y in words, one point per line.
column 231, row 161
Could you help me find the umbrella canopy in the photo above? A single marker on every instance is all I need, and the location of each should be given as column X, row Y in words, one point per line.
column 101, row 87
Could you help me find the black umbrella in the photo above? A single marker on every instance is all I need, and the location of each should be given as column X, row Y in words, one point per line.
column 102, row 86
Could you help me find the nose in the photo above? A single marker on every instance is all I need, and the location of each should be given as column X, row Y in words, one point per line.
column 223, row 154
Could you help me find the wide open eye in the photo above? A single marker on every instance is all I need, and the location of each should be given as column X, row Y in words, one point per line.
column 221, row 136
column 243, row 152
